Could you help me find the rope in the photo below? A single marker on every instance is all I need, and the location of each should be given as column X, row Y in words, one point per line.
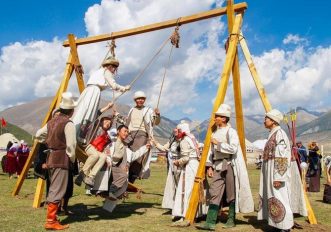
column 164, row 75
column 144, row 69
column 174, row 38
column 226, row 45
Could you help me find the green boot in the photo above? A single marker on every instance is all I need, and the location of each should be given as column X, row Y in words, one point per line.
column 231, row 216
column 210, row 223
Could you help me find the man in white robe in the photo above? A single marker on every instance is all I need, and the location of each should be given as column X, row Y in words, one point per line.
column 226, row 166
column 275, row 189
column 141, row 120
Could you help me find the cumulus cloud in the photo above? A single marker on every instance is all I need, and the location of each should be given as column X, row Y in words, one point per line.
column 292, row 75
column 24, row 67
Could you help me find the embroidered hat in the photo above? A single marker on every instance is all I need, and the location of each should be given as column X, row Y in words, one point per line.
column 67, row 102
column 139, row 94
column 110, row 61
column 224, row 110
column 275, row 115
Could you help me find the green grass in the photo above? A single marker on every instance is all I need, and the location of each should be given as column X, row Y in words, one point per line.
column 18, row 133
column 145, row 214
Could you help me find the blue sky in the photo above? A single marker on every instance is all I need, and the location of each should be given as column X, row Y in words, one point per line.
column 267, row 26
column 270, row 21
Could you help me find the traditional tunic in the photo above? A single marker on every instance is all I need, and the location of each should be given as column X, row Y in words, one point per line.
column 60, row 137
column 88, row 102
column 188, row 166
column 140, row 122
column 172, row 149
column 226, row 157
column 117, row 173
column 274, row 204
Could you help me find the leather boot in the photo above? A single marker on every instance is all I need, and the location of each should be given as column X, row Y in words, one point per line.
column 52, row 223
column 210, row 223
column 231, row 216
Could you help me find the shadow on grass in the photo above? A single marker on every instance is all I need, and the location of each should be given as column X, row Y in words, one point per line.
column 95, row 212
column 258, row 225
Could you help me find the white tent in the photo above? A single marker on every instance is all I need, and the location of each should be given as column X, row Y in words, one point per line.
column 4, row 139
column 259, row 144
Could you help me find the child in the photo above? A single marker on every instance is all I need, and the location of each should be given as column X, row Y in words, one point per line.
column 96, row 155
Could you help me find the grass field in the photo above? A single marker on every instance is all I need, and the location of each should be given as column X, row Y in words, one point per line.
column 145, row 214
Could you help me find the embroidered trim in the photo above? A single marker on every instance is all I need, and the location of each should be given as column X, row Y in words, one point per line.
column 270, row 148
column 281, row 164
column 276, row 210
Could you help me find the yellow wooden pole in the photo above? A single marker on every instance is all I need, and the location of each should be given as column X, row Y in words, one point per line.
column 76, row 62
column 39, row 193
column 237, row 86
column 240, row 7
column 63, row 87
column 256, row 78
column 229, row 60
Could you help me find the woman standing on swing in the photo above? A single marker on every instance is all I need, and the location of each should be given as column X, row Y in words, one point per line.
column 88, row 102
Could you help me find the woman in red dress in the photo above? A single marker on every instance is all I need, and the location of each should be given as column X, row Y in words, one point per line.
column 22, row 156
column 11, row 161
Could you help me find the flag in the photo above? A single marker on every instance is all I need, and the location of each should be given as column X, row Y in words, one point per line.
column 3, row 122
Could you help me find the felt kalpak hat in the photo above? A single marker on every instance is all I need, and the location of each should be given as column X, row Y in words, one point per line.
column 110, row 61
column 139, row 94
column 224, row 110
column 67, row 102
column 184, row 127
column 275, row 115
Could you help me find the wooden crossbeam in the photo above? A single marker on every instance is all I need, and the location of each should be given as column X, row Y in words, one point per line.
column 240, row 7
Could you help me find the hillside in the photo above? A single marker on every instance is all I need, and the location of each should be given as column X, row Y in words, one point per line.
column 29, row 116
column 310, row 125
column 19, row 133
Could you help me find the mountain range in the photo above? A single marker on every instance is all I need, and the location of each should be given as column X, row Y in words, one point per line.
column 311, row 125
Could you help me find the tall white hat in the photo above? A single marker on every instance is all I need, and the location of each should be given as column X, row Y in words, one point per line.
column 224, row 110
column 67, row 102
column 275, row 115
column 139, row 94
column 184, row 127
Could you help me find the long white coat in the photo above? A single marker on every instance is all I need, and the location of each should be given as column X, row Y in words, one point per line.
column 244, row 198
column 274, row 204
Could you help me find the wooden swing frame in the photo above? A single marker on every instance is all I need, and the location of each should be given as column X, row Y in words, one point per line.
column 235, row 17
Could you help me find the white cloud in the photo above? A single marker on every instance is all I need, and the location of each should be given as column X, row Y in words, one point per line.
column 189, row 110
column 24, row 66
column 294, row 39
column 294, row 76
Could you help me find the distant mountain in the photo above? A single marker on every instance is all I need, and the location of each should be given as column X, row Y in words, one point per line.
column 316, row 113
column 310, row 124
column 320, row 124
column 183, row 119
column 29, row 116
